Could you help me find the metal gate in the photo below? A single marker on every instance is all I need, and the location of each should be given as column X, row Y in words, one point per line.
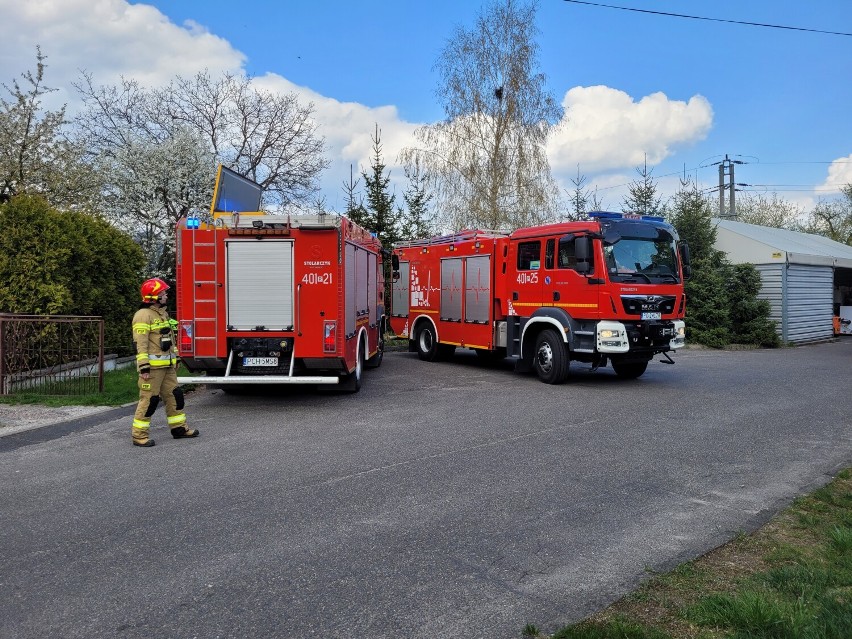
column 51, row 354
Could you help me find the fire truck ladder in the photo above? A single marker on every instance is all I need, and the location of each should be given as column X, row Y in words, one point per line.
column 211, row 249
column 460, row 236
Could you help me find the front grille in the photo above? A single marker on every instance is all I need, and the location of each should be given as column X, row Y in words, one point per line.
column 638, row 304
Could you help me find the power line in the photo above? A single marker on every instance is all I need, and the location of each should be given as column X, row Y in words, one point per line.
column 682, row 15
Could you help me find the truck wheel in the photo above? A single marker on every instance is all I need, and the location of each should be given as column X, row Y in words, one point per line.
column 376, row 360
column 427, row 344
column 352, row 382
column 629, row 370
column 550, row 359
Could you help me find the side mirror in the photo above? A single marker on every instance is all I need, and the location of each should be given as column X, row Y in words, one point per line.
column 582, row 248
column 395, row 267
column 683, row 250
column 583, row 251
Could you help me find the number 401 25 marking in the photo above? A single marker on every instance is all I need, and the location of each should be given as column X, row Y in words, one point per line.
column 527, row 278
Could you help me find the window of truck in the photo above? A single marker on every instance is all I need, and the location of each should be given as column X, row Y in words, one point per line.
column 529, row 256
column 644, row 259
column 568, row 255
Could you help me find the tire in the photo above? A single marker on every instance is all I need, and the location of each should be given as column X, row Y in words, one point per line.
column 550, row 359
column 426, row 344
column 629, row 370
column 376, row 360
column 352, row 382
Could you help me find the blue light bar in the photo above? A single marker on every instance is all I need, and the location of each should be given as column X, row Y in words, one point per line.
column 606, row 215
column 193, row 223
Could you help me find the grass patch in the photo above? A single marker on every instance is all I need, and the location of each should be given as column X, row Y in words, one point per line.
column 119, row 388
column 792, row 579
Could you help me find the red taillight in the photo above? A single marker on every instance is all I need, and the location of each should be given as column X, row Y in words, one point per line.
column 185, row 337
column 329, row 339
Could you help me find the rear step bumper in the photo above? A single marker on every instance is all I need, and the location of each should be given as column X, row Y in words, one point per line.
column 259, row 379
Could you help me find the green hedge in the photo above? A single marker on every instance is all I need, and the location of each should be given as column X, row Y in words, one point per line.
column 68, row 263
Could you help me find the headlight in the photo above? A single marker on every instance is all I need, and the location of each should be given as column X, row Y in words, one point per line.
column 612, row 337
column 679, row 340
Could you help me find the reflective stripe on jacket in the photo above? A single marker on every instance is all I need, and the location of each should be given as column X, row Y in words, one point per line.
column 152, row 329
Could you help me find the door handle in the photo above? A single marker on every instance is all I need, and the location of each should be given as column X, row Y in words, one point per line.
column 555, row 296
column 514, row 296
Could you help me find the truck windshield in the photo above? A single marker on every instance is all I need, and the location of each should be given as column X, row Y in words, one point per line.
column 634, row 259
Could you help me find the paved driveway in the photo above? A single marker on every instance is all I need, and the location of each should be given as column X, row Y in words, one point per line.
column 447, row 499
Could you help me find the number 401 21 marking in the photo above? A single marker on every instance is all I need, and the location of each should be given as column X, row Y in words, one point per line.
column 317, row 278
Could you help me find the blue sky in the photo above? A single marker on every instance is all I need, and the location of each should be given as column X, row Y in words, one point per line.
column 684, row 92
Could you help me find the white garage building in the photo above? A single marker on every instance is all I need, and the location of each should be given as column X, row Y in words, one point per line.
column 806, row 278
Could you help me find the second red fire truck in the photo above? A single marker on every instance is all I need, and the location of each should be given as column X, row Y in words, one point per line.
column 608, row 290
column 276, row 299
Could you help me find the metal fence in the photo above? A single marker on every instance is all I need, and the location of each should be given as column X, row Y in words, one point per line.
column 51, row 354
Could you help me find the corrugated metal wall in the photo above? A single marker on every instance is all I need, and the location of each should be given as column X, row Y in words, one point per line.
column 810, row 295
column 772, row 290
column 801, row 298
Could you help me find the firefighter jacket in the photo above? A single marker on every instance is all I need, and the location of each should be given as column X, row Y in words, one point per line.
column 154, row 335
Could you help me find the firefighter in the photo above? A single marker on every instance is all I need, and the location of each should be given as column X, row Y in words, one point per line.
column 156, row 361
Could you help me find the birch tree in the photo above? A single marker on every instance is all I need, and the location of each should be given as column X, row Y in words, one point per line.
column 486, row 160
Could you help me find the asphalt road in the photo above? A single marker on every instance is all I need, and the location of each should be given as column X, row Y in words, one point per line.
column 443, row 500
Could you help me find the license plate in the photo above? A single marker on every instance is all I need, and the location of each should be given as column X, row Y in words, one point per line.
column 650, row 316
column 260, row 361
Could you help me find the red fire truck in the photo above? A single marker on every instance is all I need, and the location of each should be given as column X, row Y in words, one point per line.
column 276, row 299
column 608, row 289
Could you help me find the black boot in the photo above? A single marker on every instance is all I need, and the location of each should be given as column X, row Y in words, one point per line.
column 181, row 432
column 140, row 438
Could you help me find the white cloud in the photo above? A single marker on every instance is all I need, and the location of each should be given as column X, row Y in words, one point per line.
column 839, row 174
column 606, row 129
column 111, row 39
column 107, row 38
column 348, row 129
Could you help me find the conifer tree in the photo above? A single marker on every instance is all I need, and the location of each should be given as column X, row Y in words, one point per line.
column 381, row 216
column 416, row 221
column 642, row 197
column 722, row 298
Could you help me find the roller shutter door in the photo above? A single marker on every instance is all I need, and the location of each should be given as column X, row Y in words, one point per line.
column 260, row 285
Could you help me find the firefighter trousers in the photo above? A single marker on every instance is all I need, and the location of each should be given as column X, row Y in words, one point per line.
column 162, row 385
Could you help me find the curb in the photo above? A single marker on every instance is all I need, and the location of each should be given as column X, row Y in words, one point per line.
column 47, row 432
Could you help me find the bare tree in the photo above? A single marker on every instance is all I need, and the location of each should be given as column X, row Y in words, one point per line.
column 158, row 150
column 487, row 160
column 269, row 137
